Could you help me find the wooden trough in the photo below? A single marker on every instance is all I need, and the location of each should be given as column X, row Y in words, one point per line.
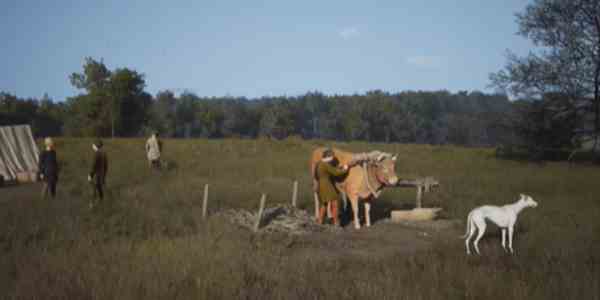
column 419, row 213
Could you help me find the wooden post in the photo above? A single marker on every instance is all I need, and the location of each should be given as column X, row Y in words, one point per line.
column 419, row 194
column 205, row 201
column 429, row 182
column 263, row 198
column 295, row 194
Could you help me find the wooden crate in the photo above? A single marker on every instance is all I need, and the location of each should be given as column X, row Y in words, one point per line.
column 24, row 177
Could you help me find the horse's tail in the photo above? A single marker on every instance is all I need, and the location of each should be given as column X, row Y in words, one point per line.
column 469, row 221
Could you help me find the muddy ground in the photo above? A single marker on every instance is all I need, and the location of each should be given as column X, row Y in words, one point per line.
column 382, row 239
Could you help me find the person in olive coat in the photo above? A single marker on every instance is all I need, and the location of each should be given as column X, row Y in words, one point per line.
column 328, row 193
column 48, row 169
column 97, row 175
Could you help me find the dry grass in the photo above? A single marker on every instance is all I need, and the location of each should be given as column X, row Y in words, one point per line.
column 147, row 239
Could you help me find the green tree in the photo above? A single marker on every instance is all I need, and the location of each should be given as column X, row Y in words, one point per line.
column 162, row 113
column 130, row 104
column 277, row 119
column 567, row 33
column 114, row 100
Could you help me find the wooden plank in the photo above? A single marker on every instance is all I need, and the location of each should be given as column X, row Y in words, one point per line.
column 261, row 209
column 419, row 196
column 295, row 194
column 407, row 183
column 205, row 202
column 429, row 181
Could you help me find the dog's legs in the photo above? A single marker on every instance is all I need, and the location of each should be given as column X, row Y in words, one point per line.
column 471, row 232
column 504, row 239
column 510, row 238
column 481, row 228
column 367, row 213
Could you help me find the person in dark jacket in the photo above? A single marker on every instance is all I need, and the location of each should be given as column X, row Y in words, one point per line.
column 48, row 169
column 97, row 175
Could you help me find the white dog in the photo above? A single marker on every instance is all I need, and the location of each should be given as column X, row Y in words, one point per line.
column 503, row 216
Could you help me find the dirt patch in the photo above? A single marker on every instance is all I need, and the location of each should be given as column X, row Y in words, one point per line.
column 308, row 238
column 278, row 219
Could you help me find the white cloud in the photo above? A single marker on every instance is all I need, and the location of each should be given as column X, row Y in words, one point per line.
column 425, row 61
column 349, row 32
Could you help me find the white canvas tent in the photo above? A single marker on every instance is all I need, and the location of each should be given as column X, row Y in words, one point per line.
column 18, row 153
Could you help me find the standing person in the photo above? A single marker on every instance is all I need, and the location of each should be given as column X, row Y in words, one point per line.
column 97, row 175
column 48, row 168
column 326, row 172
column 153, row 149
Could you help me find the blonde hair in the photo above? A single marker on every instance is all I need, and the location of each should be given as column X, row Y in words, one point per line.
column 48, row 142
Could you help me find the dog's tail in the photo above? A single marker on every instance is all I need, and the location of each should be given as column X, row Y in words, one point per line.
column 468, row 226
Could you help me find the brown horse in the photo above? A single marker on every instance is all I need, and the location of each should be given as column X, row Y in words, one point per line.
column 368, row 175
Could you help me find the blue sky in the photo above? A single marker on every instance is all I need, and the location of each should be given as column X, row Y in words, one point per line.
column 256, row 48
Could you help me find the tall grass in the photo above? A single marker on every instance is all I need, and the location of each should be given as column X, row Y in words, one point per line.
column 147, row 239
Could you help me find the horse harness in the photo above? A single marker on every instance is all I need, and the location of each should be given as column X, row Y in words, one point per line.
column 365, row 167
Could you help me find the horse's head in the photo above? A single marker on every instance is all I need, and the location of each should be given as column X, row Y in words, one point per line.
column 385, row 169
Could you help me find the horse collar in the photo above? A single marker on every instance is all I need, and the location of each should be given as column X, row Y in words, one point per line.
column 377, row 192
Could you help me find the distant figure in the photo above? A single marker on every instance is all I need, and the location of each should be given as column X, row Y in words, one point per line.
column 99, row 169
column 153, row 149
column 48, row 169
column 326, row 172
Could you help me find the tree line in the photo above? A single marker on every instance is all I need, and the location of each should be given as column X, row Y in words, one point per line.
column 114, row 103
column 557, row 86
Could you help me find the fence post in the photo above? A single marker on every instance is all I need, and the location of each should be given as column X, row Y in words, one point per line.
column 263, row 198
column 419, row 195
column 205, row 201
column 295, row 194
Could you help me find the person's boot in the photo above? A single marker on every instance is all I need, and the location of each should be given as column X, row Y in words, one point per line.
column 335, row 213
column 322, row 212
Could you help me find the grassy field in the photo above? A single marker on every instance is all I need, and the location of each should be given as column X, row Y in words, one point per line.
column 147, row 240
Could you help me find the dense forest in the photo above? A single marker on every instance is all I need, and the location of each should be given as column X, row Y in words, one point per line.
column 114, row 103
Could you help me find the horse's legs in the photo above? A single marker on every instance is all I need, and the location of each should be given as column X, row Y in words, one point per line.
column 354, row 202
column 368, row 213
